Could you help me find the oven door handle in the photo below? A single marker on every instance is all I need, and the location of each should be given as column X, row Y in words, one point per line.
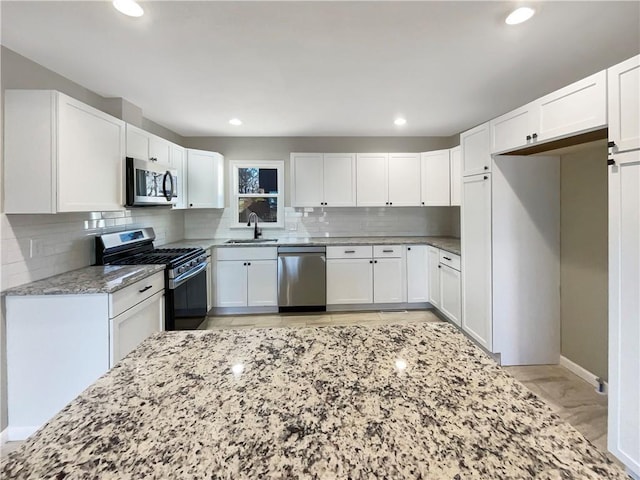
column 176, row 282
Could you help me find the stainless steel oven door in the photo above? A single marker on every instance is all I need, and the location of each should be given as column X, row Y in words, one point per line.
column 150, row 183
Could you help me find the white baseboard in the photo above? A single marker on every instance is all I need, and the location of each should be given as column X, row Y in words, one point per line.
column 582, row 373
column 4, row 436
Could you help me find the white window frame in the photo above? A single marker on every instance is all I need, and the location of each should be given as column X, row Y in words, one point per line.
column 234, row 165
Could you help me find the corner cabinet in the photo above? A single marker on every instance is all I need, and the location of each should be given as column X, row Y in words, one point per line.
column 61, row 155
column 323, row 179
column 205, row 179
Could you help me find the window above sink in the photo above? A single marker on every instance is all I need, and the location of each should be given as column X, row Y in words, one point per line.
column 257, row 186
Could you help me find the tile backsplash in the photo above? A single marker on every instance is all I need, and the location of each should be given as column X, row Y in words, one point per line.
column 38, row 246
column 333, row 222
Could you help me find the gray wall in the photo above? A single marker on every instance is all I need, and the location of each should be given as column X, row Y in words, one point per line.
column 584, row 263
column 20, row 72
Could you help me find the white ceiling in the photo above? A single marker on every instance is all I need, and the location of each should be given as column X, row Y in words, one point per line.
column 322, row 68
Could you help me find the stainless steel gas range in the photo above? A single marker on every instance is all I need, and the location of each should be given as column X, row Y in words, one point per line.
column 185, row 272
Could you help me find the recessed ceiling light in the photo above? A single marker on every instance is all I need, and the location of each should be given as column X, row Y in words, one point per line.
column 235, row 121
column 519, row 15
column 128, row 7
column 400, row 121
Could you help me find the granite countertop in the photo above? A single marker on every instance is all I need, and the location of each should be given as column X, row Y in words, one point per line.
column 450, row 244
column 397, row 401
column 99, row 279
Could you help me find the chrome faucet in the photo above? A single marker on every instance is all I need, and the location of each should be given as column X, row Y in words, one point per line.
column 256, row 231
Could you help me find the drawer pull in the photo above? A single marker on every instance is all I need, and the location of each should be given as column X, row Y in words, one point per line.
column 387, row 251
column 145, row 288
column 349, row 251
column 447, row 258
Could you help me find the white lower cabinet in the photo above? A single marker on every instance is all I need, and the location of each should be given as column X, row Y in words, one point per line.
column 433, row 263
column 210, row 283
column 349, row 281
column 246, row 277
column 58, row 345
column 417, row 274
column 450, row 301
column 366, row 275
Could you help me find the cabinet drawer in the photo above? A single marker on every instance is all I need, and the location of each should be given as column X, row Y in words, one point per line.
column 363, row 251
column 248, row 253
column 390, row 251
column 126, row 298
column 450, row 259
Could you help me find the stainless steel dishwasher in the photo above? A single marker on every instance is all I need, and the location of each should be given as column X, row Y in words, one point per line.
column 302, row 279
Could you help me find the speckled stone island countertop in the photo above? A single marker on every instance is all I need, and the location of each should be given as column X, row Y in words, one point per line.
column 450, row 244
column 413, row 401
column 100, row 279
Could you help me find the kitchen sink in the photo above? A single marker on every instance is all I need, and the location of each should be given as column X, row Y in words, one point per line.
column 251, row 240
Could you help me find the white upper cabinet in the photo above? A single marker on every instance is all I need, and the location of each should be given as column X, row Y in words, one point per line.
column 436, row 178
column 577, row 108
column 456, row 175
column 307, row 173
column 205, row 179
column 323, row 179
column 340, row 179
column 476, row 150
column 61, row 155
column 371, row 189
column 404, row 179
column 514, row 129
column 624, row 104
column 147, row 146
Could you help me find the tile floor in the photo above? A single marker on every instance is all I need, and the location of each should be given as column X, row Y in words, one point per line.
column 568, row 395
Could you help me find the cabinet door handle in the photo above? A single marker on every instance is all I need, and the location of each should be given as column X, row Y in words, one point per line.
column 486, row 178
column 349, row 251
column 611, row 144
column 447, row 258
column 528, row 137
column 390, row 203
column 422, row 203
column 248, row 264
column 611, row 161
column 439, row 266
column 486, row 168
column 408, row 248
column 370, row 261
column 534, row 136
column 387, row 251
column 145, row 288
column 375, row 261
column 245, row 264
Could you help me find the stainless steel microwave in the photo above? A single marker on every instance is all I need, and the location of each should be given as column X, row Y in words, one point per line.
column 150, row 184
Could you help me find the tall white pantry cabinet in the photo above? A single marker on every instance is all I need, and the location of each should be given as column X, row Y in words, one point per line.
column 624, row 263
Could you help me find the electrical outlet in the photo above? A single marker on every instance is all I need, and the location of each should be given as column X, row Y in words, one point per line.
column 36, row 248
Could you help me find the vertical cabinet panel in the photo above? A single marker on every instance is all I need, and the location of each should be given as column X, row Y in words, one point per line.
column 417, row 274
column 624, row 309
column 476, row 150
column 476, row 259
column 450, row 298
column 623, row 83
column 339, row 178
column 404, row 179
column 433, row 263
column 178, row 161
column 372, row 184
column 307, row 174
column 262, row 287
column 349, row 281
column 205, row 179
column 456, row 176
column 388, row 280
column 436, row 178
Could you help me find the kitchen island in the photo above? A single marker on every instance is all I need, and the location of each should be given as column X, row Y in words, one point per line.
column 395, row 401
